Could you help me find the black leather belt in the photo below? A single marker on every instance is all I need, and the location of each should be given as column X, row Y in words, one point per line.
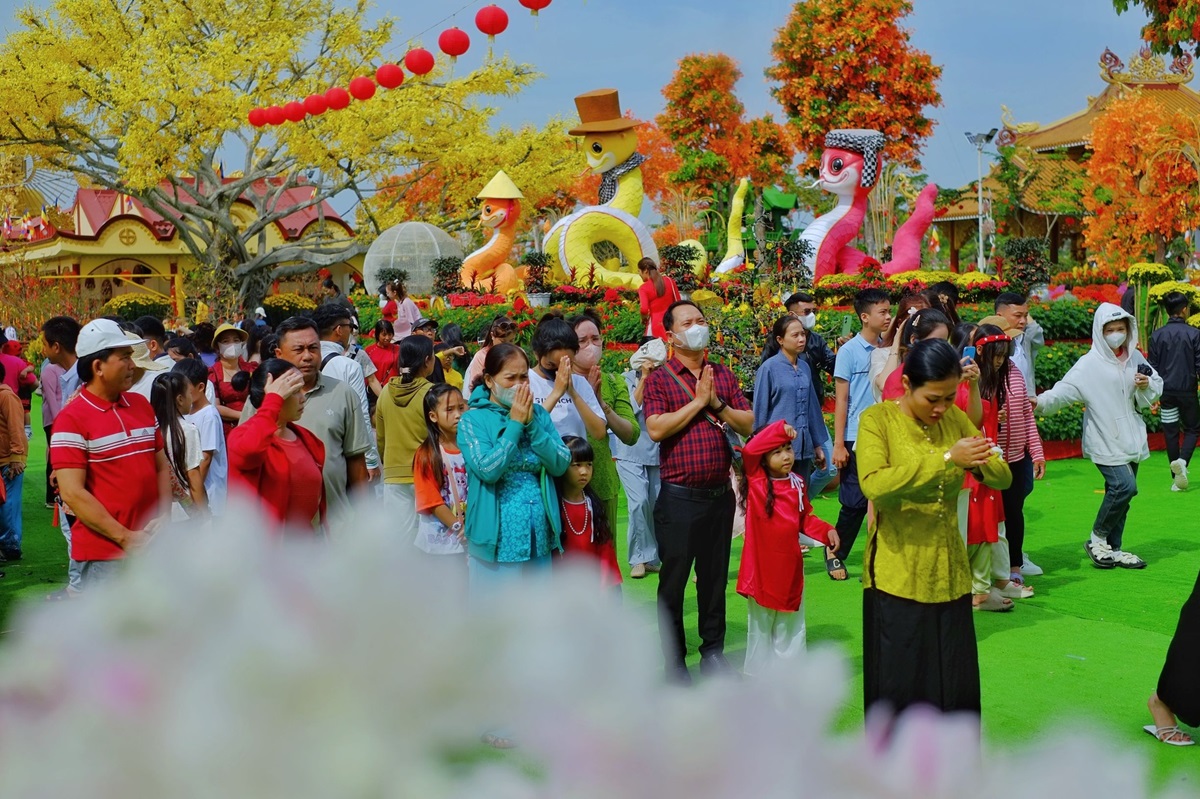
column 688, row 492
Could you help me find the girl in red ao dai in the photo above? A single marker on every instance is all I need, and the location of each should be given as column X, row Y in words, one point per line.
column 771, row 576
column 587, row 533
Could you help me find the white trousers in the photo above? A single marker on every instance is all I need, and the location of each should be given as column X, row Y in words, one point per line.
column 400, row 502
column 74, row 581
column 641, row 486
column 772, row 636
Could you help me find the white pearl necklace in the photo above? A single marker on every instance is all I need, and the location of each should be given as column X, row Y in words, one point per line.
column 587, row 516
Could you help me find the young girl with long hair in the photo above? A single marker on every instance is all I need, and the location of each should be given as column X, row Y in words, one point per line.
column 586, row 529
column 400, row 430
column 440, row 475
column 771, row 575
column 987, row 547
column 170, row 396
column 886, row 361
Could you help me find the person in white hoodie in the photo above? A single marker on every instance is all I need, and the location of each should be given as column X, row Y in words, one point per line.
column 1114, row 381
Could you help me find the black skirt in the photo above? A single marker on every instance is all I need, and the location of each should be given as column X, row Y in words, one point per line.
column 919, row 653
column 1177, row 684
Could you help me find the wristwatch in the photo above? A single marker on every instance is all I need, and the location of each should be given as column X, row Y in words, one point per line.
column 456, row 527
column 721, row 407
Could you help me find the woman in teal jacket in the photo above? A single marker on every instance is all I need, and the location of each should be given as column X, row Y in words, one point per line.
column 512, row 452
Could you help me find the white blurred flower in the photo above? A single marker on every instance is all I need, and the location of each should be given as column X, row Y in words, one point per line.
column 225, row 665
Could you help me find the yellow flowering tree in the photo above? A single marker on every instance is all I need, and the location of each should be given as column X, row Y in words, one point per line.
column 150, row 98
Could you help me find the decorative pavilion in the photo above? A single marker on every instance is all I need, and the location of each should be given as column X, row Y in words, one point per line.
column 113, row 244
column 1048, row 160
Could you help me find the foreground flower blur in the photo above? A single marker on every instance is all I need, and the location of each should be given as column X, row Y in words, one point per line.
column 222, row 665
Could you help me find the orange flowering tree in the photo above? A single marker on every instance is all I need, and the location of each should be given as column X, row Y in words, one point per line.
column 1173, row 24
column 705, row 121
column 1143, row 180
column 850, row 64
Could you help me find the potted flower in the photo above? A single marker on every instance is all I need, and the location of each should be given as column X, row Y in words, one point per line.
column 537, row 269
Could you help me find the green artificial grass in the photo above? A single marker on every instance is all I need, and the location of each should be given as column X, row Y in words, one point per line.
column 1086, row 651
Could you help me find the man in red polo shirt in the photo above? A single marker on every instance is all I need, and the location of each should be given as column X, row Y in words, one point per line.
column 107, row 454
column 688, row 403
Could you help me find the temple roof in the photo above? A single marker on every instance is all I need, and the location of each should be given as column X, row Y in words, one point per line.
column 1050, row 154
column 95, row 208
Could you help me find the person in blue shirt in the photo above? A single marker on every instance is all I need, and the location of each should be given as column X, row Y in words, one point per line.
column 784, row 389
column 852, row 389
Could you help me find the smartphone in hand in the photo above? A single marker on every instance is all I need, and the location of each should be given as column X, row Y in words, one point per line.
column 969, row 353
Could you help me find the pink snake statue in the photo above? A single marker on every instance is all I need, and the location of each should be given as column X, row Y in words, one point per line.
column 849, row 168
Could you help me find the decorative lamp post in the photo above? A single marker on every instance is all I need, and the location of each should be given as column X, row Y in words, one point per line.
column 978, row 140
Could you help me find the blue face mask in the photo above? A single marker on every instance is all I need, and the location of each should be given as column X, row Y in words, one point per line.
column 503, row 396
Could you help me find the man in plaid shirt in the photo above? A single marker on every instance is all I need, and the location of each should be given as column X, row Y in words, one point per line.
column 687, row 404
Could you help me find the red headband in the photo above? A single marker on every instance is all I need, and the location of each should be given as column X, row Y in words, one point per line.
column 992, row 339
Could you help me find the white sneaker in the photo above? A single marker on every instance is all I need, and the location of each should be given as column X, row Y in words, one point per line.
column 1175, row 488
column 1029, row 568
column 1179, row 474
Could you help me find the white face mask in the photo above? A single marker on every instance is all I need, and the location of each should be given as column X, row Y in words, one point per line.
column 588, row 356
column 695, row 338
column 809, row 320
column 504, row 395
column 1115, row 339
column 231, row 350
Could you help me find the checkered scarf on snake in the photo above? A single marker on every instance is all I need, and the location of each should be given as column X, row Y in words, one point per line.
column 608, row 186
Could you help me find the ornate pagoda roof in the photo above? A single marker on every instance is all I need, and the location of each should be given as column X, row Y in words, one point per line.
column 1050, row 154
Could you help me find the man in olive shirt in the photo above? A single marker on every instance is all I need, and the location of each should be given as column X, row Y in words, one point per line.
column 331, row 413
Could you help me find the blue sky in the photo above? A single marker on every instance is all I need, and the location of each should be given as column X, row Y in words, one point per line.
column 1038, row 57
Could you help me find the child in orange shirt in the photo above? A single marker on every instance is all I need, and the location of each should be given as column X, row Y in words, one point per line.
column 440, row 475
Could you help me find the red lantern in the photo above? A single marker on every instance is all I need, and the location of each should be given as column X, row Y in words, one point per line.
column 316, row 104
column 419, row 61
column 338, row 98
column 257, row 117
column 389, row 76
column 294, row 111
column 491, row 20
column 454, row 42
column 362, row 87
column 275, row 115
column 535, row 6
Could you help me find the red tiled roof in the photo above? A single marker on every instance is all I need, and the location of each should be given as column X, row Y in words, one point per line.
column 97, row 206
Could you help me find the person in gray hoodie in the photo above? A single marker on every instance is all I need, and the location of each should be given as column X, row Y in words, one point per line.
column 1114, row 381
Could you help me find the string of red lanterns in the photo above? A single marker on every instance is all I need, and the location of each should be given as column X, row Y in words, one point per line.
column 491, row 20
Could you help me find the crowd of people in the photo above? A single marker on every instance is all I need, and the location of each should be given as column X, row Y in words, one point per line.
column 498, row 464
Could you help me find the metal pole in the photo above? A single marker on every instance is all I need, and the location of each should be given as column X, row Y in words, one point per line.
column 979, row 259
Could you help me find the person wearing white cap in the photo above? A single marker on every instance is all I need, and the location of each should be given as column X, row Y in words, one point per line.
column 260, row 316
column 108, row 455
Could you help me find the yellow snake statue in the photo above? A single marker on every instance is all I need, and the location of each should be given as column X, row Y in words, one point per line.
column 610, row 142
column 735, row 250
